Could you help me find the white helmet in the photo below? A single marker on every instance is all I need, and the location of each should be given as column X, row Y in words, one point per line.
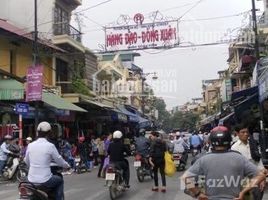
column 117, row 134
column 44, row 127
column 29, row 139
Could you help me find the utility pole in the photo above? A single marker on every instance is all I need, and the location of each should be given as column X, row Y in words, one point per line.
column 255, row 29
column 142, row 94
column 35, row 60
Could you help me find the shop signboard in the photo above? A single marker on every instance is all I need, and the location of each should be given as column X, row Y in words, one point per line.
column 22, row 108
column 263, row 86
column 34, row 83
column 139, row 35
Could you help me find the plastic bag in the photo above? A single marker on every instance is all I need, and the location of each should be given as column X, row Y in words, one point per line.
column 106, row 162
column 170, row 167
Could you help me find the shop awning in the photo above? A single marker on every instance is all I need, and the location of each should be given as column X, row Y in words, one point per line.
column 131, row 116
column 117, row 115
column 244, row 93
column 97, row 104
column 248, row 108
column 11, row 89
column 226, row 118
column 59, row 103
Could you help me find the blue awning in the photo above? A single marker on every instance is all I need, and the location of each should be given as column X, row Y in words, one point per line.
column 144, row 123
column 247, row 108
column 244, row 93
column 131, row 116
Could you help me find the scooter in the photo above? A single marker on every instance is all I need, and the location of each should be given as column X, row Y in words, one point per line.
column 115, row 182
column 142, row 167
column 15, row 168
column 180, row 160
column 30, row 191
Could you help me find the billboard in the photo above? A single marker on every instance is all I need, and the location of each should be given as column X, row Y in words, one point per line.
column 142, row 36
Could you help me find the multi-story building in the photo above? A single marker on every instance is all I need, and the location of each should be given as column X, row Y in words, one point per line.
column 53, row 18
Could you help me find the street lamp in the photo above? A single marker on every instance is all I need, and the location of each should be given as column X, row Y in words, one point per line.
column 143, row 78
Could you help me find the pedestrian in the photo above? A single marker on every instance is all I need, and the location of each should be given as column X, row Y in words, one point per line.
column 157, row 160
column 101, row 151
column 248, row 147
column 219, row 174
column 24, row 148
column 4, row 152
column 94, row 150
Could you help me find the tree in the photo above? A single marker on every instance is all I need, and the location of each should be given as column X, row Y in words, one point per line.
column 163, row 114
column 184, row 120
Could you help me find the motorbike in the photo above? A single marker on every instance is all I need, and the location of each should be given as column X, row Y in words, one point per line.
column 180, row 160
column 15, row 168
column 142, row 167
column 80, row 166
column 114, row 180
column 30, row 191
column 195, row 151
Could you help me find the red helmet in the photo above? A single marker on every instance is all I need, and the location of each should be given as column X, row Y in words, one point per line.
column 220, row 136
column 81, row 139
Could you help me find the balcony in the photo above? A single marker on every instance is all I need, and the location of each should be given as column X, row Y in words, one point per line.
column 67, row 36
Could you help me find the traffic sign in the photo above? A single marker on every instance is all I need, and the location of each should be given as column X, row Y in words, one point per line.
column 22, row 108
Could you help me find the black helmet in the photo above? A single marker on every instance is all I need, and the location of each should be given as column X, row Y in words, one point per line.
column 142, row 132
column 220, row 136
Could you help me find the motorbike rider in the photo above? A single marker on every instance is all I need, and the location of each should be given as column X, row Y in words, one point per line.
column 117, row 151
column 4, row 152
column 218, row 170
column 39, row 156
column 180, row 146
column 143, row 146
column 195, row 141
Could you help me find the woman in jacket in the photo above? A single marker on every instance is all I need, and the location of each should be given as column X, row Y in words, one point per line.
column 157, row 160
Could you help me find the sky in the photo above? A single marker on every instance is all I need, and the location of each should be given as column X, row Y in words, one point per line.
column 180, row 71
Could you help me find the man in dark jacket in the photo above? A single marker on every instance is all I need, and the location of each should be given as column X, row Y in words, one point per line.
column 117, row 151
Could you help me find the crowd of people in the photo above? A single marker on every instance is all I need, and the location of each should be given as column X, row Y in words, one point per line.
column 220, row 154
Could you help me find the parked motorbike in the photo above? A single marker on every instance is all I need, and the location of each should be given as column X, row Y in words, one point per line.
column 142, row 167
column 30, row 191
column 115, row 181
column 180, row 160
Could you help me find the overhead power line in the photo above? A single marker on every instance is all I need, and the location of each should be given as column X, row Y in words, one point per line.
column 94, row 6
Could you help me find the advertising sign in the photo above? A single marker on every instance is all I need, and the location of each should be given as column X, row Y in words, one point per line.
column 142, row 36
column 34, row 83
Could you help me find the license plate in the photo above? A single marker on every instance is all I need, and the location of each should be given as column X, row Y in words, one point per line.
column 195, row 150
column 137, row 163
column 110, row 176
column 77, row 159
column 176, row 162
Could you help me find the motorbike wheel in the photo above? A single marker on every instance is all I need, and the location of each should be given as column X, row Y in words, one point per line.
column 140, row 174
column 113, row 191
column 78, row 170
column 21, row 175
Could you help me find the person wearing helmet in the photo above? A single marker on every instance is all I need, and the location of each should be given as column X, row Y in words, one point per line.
column 24, row 148
column 117, row 151
column 222, row 171
column 4, row 152
column 142, row 144
column 39, row 156
column 84, row 150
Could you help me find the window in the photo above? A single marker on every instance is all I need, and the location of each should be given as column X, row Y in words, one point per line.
column 61, row 21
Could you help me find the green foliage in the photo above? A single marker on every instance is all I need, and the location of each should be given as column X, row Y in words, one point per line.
column 79, row 86
column 163, row 114
column 184, row 120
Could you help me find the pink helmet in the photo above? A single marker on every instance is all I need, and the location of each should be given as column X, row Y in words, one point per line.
column 81, row 139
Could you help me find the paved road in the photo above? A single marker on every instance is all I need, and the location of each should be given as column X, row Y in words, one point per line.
column 88, row 187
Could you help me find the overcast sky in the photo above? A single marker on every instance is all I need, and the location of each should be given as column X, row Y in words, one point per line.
column 180, row 71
